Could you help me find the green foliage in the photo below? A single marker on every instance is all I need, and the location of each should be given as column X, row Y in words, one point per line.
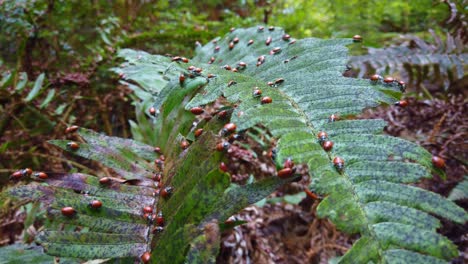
column 460, row 191
column 365, row 197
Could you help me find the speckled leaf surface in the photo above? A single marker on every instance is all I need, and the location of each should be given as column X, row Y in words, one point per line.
column 21, row 254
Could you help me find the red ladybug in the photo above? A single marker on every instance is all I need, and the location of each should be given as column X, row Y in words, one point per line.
column 257, row 93
column 288, row 163
column 71, row 129
column 17, row 175
column 339, row 163
column 181, row 79
column 68, row 211
column 229, row 128
column 166, row 192
column 95, row 204
column 184, row 144
column 231, row 83
column 322, row 136
column 222, row 114
column 147, row 209
column 285, row 173
column 231, row 45
column 146, row 257
column 279, row 81
column 357, row 38
column 333, row 118
column 160, row 219
column 198, row 132
column 242, row 64
column 152, row 111
column 375, row 77
column 235, row 40
column 223, row 167
column 210, row 75
column 104, row 180
column 327, row 145
column 388, row 80
column 197, row 110
column 311, row 194
column 157, row 150
column 73, row 145
column 222, row 146
column 438, row 162
column 402, row 103
column 41, row 175
column 275, row 51
column 266, row 100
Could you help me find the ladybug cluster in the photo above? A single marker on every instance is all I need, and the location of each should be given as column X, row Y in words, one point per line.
column 390, row 81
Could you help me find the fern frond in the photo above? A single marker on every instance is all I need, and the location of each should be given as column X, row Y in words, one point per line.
column 362, row 198
column 418, row 60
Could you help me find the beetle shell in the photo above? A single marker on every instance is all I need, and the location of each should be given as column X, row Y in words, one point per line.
column 257, row 93
column 333, row 118
column 261, row 28
column 147, row 209
column 231, row 83
column 250, row 42
column 232, row 29
column 222, row 114
column 210, row 75
column 104, row 180
column 166, row 192
column 146, row 257
column 198, row 132
column 388, row 79
column 184, row 144
column 160, row 219
column 27, row 172
column 375, row 77
column 438, row 162
column 41, row 175
column 222, row 146
column 279, row 81
column 285, row 173
column 235, row 40
column 223, row 167
column 402, row 103
column 271, row 28
column 68, row 211
column 231, row 45
column 185, row 60
column 311, row 194
column 71, row 129
column 286, row 37
column 339, row 163
column 327, row 145
column 181, row 78
column 268, row 41
column 357, row 38
column 197, row 110
column 288, row 163
column 242, row 64
column 95, row 204
column 322, row 136
column 157, row 150
column 266, row 100
column 275, row 51
column 227, row 67
column 191, row 68
column 152, row 111
column 16, row 175
column 73, row 145
column 230, row 127
column 292, row 42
